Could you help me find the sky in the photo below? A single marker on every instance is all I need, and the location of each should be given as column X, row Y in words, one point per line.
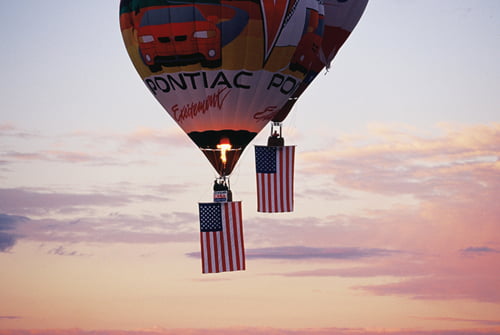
column 396, row 222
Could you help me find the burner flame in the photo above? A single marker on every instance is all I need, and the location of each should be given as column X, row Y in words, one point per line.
column 224, row 146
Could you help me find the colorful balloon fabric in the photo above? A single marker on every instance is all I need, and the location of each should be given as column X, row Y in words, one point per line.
column 340, row 19
column 223, row 69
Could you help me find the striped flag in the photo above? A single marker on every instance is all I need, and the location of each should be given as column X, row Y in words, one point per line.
column 274, row 166
column 221, row 237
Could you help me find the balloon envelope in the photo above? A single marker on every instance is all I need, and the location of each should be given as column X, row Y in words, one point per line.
column 340, row 19
column 223, row 69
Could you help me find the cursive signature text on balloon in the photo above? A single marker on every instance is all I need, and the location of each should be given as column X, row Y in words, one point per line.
column 191, row 110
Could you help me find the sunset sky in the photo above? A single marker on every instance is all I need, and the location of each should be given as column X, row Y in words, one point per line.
column 396, row 228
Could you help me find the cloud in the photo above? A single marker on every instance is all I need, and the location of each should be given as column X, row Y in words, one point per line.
column 62, row 251
column 29, row 202
column 256, row 331
column 8, row 222
column 62, row 156
column 389, row 161
column 302, row 252
column 94, row 148
column 444, row 286
column 9, row 317
column 10, row 130
column 72, row 217
column 5, row 127
column 392, row 268
column 476, row 321
column 140, row 136
column 326, row 190
column 479, row 250
column 7, row 241
column 8, row 237
column 114, row 228
column 138, row 140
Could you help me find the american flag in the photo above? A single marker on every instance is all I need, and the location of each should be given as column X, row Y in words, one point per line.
column 221, row 237
column 274, row 165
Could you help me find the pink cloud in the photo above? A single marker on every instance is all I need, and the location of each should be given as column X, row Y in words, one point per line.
column 476, row 321
column 5, row 127
column 454, row 181
column 10, row 130
column 76, row 157
column 391, row 162
column 59, row 156
column 438, row 241
column 93, row 147
column 135, row 137
column 404, row 266
column 23, row 156
column 471, row 287
column 167, row 137
column 256, row 331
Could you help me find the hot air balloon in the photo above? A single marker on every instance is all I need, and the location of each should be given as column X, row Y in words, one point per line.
column 322, row 36
column 339, row 20
column 221, row 69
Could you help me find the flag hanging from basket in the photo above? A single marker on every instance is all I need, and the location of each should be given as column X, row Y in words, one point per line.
column 275, row 170
column 221, row 237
